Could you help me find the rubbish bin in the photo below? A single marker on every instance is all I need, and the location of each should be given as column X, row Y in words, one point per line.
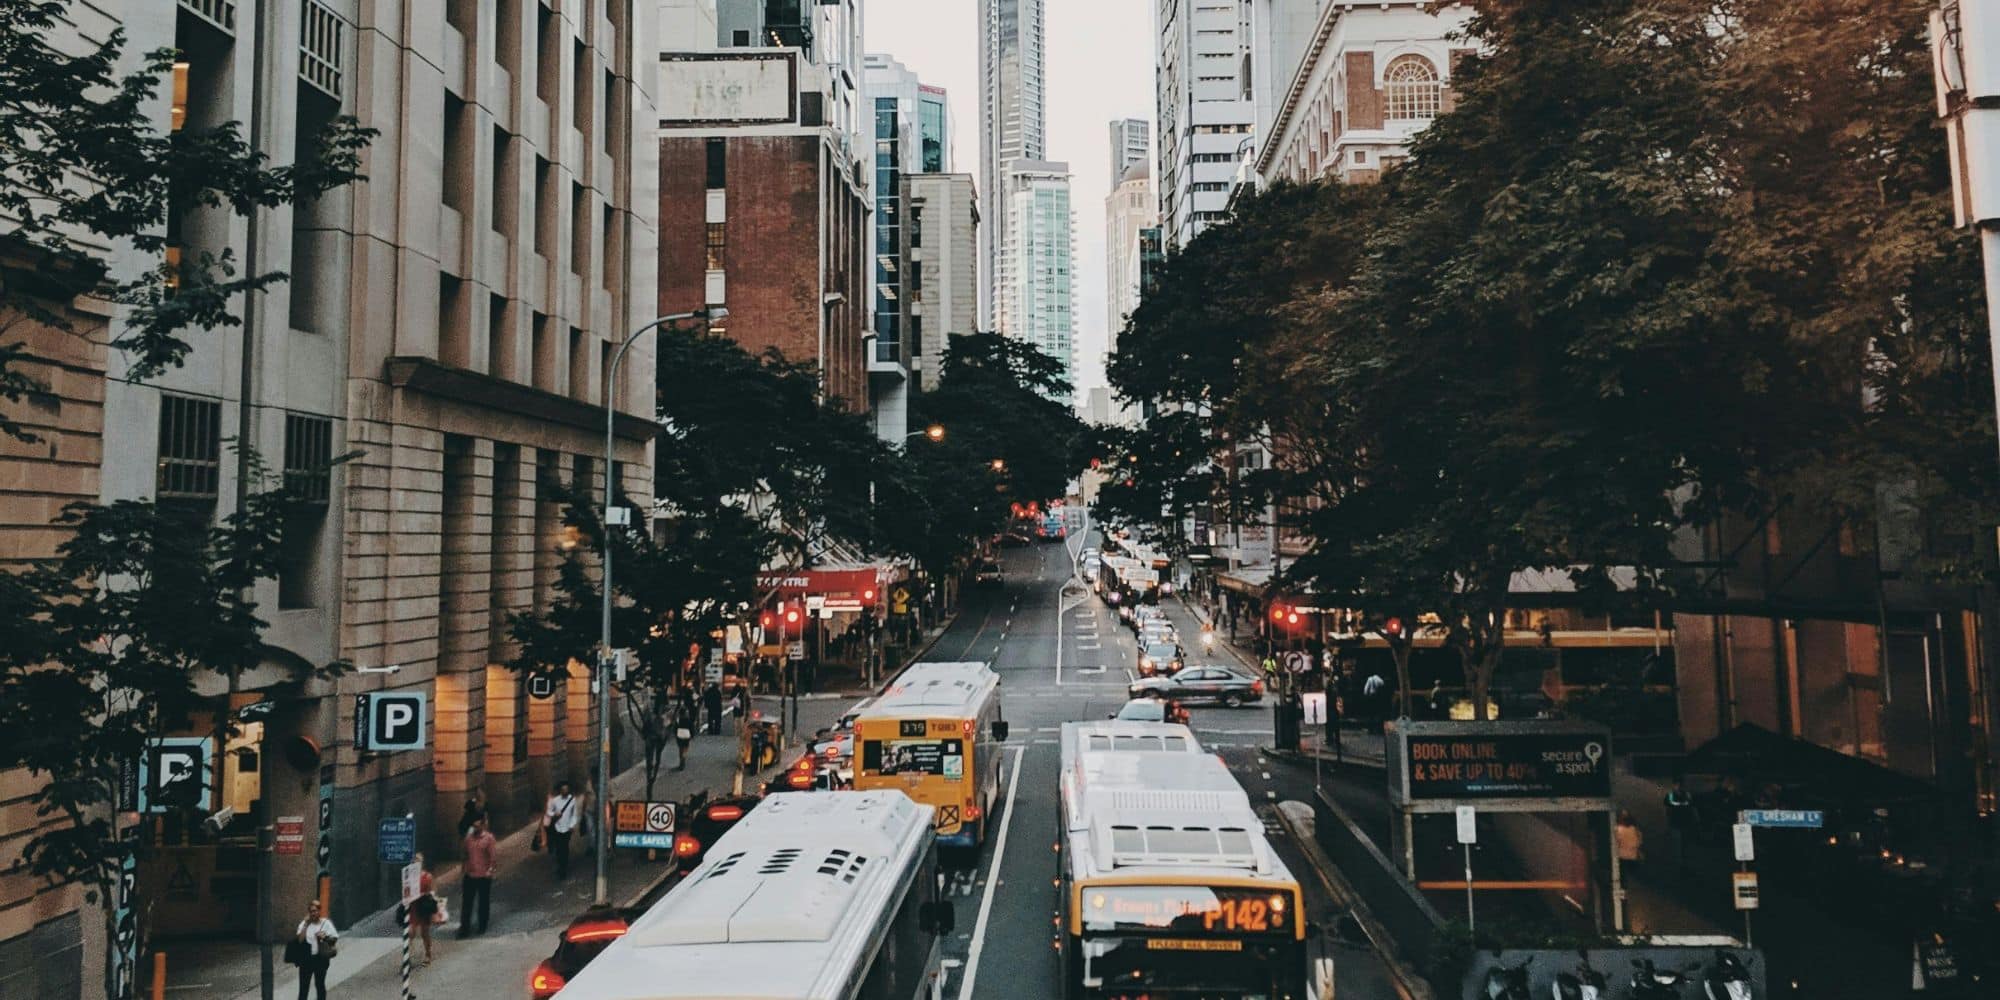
column 1285, row 724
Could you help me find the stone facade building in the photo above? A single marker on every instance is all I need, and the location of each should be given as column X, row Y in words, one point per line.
column 941, row 248
column 446, row 324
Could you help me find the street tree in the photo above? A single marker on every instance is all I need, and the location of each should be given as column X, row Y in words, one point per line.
column 87, row 168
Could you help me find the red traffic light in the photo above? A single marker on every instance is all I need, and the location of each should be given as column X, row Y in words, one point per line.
column 1278, row 612
column 791, row 616
column 768, row 619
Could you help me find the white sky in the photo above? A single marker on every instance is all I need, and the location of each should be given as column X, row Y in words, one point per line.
column 1100, row 67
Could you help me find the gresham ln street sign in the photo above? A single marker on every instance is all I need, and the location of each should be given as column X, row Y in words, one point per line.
column 1498, row 760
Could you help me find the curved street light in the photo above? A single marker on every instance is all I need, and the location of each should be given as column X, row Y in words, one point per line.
column 708, row 315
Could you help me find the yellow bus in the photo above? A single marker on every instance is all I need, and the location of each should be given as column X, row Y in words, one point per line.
column 1167, row 887
column 934, row 735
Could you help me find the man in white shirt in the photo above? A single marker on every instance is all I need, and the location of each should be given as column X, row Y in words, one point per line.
column 559, row 819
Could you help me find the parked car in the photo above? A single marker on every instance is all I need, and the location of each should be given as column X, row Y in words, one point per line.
column 703, row 822
column 1201, row 683
column 584, row 939
column 1160, row 658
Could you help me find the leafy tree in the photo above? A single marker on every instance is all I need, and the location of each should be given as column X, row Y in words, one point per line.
column 86, row 169
column 104, row 648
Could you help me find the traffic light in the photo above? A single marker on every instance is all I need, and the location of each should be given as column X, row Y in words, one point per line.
column 768, row 619
column 1392, row 627
column 868, row 595
column 791, row 614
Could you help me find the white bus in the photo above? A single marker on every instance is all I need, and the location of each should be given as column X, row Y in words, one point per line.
column 811, row 896
column 1167, row 888
column 934, row 735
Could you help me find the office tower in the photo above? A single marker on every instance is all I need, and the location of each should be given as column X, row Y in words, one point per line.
column 1131, row 142
column 1034, row 288
column 1011, row 124
column 1204, row 111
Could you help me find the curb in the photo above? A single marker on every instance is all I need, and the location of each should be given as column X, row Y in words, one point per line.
column 1299, row 756
column 1409, row 984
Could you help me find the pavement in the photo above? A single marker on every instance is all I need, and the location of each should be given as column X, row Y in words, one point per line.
column 529, row 908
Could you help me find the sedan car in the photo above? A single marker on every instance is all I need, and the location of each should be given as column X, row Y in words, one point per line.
column 1202, row 683
column 703, row 823
column 584, row 939
column 1160, row 658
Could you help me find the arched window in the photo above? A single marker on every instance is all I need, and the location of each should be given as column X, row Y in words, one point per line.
column 1411, row 89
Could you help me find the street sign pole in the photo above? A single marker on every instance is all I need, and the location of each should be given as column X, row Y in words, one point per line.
column 1468, row 834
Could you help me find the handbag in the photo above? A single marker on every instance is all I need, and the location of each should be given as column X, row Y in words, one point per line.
column 329, row 946
column 535, row 845
column 296, row 952
column 443, row 915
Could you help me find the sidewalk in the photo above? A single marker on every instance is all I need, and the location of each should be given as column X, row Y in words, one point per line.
column 529, row 906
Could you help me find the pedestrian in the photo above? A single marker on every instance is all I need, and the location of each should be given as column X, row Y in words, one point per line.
column 559, row 819
column 423, row 913
column 690, row 714
column 321, row 940
column 1438, row 708
column 476, row 897
column 684, row 734
column 587, row 814
column 742, row 707
column 1630, row 842
column 1372, row 693
column 711, row 698
column 1680, row 821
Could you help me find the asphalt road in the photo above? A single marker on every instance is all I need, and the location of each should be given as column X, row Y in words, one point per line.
column 1060, row 667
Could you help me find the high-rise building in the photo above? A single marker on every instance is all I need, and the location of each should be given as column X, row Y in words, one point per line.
column 1129, row 210
column 934, row 129
column 1131, row 142
column 941, row 253
column 1011, row 122
column 1037, row 298
column 1204, row 111
column 447, row 322
column 1368, row 80
column 893, row 96
column 762, row 192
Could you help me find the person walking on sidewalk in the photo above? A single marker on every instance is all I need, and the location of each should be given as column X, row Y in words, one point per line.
column 468, row 816
column 320, row 939
column 559, row 819
column 711, row 699
column 1680, row 821
column 684, row 732
column 476, row 900
column 1631, row 844
column 423, row 913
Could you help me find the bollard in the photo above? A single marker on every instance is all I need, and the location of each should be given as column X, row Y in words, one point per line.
column 408, row 994
column 159, row 975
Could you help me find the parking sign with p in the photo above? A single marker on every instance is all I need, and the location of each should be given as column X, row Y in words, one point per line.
column 174, row 773
column 390, row 720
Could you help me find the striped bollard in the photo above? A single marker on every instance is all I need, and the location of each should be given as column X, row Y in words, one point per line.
column 408, row 994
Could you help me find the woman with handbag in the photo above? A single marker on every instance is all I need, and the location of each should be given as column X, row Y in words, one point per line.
column 425, row 912
column 320, row 941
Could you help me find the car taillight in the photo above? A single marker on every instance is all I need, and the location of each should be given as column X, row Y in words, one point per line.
column 545, row 981
column 972, row 812
column 725, row 812
column 601, row 931
column 686, row 846
column 1256, row 687
column 799, row 779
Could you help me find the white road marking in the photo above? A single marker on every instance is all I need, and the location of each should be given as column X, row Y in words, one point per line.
column 992, row 882
column 1129, row 676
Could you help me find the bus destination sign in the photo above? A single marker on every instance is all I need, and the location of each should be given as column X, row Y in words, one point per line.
column 1454, row 761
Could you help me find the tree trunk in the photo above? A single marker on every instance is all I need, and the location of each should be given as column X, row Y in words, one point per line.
column 1400, row 649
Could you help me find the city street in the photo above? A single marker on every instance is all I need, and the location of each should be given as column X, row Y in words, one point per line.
column 1061, row 669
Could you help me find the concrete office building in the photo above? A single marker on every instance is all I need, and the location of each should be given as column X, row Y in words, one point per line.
column 1034, row 286
column 1204, row 113
column 1131, row 142
column 894, row 98
column 1366, row 81
column 763, row 193
column 447, row 321
column 1012, row 125
column 1129, row 210
column 941, row 252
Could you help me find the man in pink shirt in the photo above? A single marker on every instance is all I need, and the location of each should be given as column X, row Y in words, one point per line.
column 477, row 901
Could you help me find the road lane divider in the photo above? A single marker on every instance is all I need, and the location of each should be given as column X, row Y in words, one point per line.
column 992, row 881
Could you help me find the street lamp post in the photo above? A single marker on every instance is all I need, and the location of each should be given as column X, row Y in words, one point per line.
column 603, row 894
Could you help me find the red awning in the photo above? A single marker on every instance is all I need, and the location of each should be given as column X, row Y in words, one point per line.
column 822, row 582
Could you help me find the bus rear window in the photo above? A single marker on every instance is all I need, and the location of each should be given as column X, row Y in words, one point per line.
column 940, row 757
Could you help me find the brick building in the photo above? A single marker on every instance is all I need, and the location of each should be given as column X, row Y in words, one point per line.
column 763, row 197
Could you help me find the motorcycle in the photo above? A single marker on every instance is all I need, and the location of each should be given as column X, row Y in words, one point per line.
column 1729, row 980
column 1585, row 983
column 1652, row 983
column 1505, row 982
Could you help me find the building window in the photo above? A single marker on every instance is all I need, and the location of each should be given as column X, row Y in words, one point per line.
column 1411, row 89
column 190, row 467
column 718, row 164
column 717, row 242
column 309, row 478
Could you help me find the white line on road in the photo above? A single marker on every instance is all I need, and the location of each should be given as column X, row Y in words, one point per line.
column 992, row 882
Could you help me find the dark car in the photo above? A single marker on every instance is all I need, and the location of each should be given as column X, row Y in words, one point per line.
column 1160, row 658
column 584, row 939
column 705, row 821
column 1202, row 683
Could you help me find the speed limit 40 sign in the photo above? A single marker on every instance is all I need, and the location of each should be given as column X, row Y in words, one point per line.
column 639, row 823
